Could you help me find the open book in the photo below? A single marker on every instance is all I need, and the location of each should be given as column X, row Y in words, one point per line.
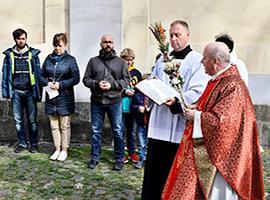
column 157, row 90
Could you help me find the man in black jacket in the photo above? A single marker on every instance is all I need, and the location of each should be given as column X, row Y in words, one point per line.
column 106, row 75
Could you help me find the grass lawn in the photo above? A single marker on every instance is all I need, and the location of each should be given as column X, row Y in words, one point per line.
column 33, row 176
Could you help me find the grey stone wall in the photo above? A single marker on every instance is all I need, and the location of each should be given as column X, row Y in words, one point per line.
column 80, row 124
column 263, row 121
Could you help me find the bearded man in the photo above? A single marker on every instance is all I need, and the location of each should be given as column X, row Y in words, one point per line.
column 106, row 75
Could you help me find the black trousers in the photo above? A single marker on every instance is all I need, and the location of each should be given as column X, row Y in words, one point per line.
column 160, row 156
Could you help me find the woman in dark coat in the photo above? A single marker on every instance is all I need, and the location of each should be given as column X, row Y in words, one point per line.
column 59, row 74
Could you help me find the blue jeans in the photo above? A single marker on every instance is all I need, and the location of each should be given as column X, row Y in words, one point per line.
column 129, row 127
column 24, row 101
column 114, row 113
column 142, row 136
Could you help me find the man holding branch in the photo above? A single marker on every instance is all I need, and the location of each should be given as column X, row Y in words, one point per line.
column 166, row 129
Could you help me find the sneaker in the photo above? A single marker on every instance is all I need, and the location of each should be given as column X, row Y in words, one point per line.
column 55, row 155
column 19, row 149
column 62, row 156
column 34, row 149
column 92, row 164
column 134, row 157
column 118, row 166
column 126, row 158
column 139, row 164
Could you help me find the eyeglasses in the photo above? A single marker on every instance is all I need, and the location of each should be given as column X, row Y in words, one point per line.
column 57, row 45
column 107, row 42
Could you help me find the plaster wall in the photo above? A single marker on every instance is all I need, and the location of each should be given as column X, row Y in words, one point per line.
column 85, row 21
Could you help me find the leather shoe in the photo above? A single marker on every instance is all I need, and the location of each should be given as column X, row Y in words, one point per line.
column 118, row 166
column 92, row 164
column 34, row 149
column 19, row 148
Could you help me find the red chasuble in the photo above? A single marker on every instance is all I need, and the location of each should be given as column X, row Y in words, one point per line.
column 230, row 140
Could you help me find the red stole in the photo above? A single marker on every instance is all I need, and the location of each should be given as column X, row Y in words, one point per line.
column 185, row 148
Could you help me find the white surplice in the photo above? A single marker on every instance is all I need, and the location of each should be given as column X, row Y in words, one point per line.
column 163, row 125
column 241, row 66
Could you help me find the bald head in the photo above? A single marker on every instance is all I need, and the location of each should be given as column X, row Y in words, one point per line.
column 106, row 43
column 106, row 37
column 219, row 50
column 216, row 57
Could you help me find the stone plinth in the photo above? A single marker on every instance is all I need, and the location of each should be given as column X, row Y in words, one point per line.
column 80, row 124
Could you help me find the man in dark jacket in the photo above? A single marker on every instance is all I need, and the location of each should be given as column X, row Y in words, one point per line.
column 21, row 70
column 106, row 75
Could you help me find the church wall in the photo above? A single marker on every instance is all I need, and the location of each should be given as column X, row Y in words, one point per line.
column 89, row 20
column 245, row 20
column 85, row 21
column 41, row 19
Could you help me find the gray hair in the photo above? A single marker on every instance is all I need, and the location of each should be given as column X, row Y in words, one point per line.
column 219, row 53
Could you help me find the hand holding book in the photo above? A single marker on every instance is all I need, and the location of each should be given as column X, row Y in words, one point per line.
column 157, row 90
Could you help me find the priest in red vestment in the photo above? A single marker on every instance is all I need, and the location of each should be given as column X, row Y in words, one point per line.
column 219, row 155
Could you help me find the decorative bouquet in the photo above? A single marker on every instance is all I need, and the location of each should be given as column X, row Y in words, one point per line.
column 171, row 66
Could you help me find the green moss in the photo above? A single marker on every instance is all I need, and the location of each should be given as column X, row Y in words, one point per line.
column 34, row 176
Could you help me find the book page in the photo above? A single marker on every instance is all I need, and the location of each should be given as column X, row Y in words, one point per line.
column 52, row 93
column 157, row 90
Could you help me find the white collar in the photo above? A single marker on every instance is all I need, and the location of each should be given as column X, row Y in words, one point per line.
column 220, row 72
column 21, row 51
column 233, row 57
